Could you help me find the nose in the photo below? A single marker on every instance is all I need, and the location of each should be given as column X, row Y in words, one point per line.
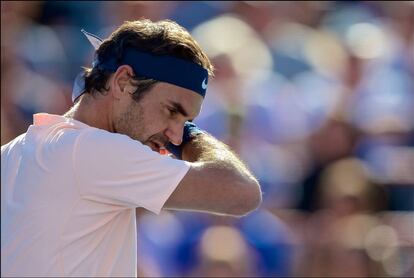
column 174, row 132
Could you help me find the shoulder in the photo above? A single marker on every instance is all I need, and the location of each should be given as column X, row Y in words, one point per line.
column 102, row 141
column 13, row 143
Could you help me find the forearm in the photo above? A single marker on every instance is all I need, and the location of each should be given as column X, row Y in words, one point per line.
column 217, row 181
column 205, row 148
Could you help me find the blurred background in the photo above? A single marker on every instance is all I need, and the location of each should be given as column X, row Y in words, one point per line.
column 316, row 97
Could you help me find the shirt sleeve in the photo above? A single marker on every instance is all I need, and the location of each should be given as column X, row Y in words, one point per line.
column 115, row 169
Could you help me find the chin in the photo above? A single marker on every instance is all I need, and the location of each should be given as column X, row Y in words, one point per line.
column 153, row 146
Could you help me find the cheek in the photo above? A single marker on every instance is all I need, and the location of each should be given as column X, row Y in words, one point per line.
column 155, row 121
column 158, row 117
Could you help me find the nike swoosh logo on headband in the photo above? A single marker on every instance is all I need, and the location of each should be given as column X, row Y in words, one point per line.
column 204, row 84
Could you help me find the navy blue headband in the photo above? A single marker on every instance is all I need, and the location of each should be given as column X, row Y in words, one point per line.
column 162, row 68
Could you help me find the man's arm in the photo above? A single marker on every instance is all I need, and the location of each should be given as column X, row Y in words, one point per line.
column 217, row 182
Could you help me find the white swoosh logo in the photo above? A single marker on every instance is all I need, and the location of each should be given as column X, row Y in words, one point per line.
column 204, row 84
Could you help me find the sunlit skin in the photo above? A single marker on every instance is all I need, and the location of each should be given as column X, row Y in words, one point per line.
column 156, row 119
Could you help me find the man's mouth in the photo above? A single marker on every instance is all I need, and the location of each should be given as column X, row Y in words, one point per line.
column 157, row 142
column 155, row 146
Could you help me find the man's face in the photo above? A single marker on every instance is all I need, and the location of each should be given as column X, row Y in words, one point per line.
column 159, row 116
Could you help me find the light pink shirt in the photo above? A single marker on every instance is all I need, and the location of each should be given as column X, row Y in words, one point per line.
column 68, row 198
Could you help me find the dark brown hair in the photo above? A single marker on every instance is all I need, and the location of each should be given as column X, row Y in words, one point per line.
column 163, row 37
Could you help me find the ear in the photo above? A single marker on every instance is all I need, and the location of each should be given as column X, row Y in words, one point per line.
column 120, row 81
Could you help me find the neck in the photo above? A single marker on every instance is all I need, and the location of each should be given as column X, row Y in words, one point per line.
column 90, row 110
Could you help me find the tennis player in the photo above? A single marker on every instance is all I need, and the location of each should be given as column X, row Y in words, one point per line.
column 71, row 184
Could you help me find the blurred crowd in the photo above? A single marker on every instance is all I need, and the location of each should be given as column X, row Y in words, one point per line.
column 317, row 97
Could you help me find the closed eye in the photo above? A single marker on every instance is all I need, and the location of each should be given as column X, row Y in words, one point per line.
column 175, row 108
column 173, row 112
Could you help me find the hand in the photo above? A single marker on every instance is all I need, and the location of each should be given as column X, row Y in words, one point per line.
column 190, row 130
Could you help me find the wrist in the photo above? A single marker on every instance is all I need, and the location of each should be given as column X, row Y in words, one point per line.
column 191, row 131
